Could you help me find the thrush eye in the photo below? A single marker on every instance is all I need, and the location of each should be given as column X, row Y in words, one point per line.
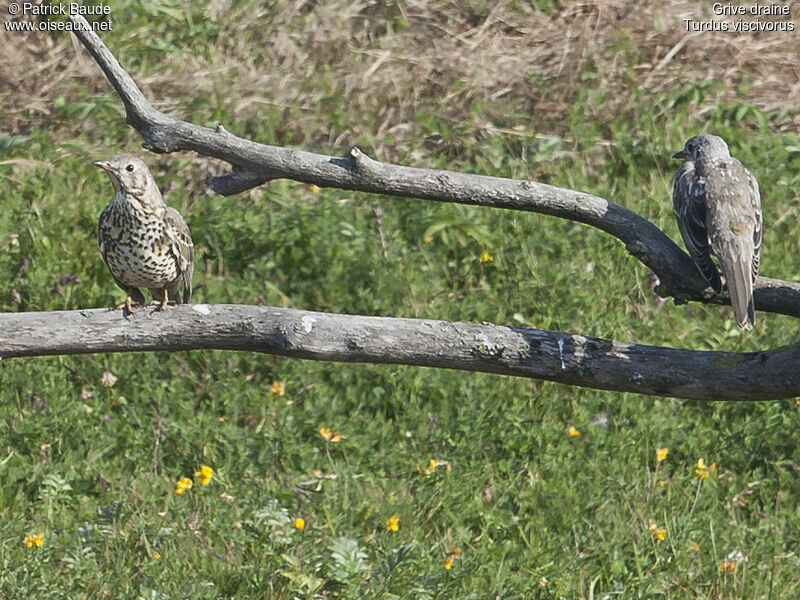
column 129, row 168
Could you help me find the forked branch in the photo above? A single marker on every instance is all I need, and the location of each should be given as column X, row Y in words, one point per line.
column 254, row 164
column 565, row 358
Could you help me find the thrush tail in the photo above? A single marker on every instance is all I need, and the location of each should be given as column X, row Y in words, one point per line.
column 739, row 277
column 187, row 285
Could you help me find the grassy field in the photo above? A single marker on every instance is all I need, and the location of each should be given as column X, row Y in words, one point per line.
column 352, row 481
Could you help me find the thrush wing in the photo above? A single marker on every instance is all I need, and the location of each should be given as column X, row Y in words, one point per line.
column 734, row 223
column 688, row 198
column 755, row 203
column 740, row 254
column 182, row 248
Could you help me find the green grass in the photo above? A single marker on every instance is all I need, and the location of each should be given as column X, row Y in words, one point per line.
column 535, row 512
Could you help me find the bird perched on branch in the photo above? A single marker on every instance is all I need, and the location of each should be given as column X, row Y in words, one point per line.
column 718, row 207
column 144, row 242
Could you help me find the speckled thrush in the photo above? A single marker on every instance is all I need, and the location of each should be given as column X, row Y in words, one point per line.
column 144, row 242
column 718, row 207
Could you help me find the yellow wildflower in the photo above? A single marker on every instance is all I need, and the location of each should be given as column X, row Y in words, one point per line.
column 701, row 470
column 427, row 239
column 204, row 474
column 392, row 523
column 694, row 547
column 431, row 466
column 314, row 188
column 573, row 432
column 299, row 524
column 329, row 435
column 661, row 454
column 157, row 556
column 727, row 565
column 278, row 388
column 451, row 558
column 33, row 540
column 184, row 483
column 284, row 301
column 657, row 533
column 485, row 257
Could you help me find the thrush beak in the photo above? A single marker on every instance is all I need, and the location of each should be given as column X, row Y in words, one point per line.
column 679, row 154
column 103, row 165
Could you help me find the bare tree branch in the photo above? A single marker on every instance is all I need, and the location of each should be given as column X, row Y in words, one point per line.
column 255, row 164
column 561, row 357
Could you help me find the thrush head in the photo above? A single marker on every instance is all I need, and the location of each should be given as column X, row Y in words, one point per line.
column 701, row 146
column 131, row 178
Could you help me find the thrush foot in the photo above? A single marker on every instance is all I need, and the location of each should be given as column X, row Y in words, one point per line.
column 128, row 305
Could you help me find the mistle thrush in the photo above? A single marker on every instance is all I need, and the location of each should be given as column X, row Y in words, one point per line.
column 145, row 243
column 719, row 211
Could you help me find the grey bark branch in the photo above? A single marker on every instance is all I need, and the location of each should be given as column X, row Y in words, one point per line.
column 565, row 358
column 254, row 164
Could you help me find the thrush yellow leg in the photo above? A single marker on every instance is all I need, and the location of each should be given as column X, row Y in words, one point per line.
column 164, row 300
column 128, row 304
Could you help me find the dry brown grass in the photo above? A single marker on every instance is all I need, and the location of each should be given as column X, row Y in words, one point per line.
column 512, row 59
